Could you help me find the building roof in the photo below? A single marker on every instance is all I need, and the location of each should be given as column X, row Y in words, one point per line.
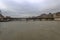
column 58, row 14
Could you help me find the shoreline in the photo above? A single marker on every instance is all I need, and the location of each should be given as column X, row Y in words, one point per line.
column 28, row 21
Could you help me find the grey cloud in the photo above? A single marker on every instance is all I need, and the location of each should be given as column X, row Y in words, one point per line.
column 30, row 9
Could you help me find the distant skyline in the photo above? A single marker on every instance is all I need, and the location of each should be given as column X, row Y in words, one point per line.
column 25, row 8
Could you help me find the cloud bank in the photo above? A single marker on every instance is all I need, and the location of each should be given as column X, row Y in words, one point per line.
column 24, row 8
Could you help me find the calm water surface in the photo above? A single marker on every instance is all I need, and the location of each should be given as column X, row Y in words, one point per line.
column 32, row 30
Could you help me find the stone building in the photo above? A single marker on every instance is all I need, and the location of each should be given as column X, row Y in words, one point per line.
column 57, row 16
column 50, row 15
column 43, row 16
column 47, row 16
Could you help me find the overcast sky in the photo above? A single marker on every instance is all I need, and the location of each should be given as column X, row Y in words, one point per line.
column 24, row 8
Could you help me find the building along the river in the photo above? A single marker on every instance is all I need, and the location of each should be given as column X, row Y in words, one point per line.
column 57, row 16
column 50, row 16
column 46, row 17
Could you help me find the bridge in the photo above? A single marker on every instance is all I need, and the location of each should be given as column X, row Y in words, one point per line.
column 27, row 19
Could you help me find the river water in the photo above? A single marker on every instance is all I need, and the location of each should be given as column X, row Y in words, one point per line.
column 31, row 30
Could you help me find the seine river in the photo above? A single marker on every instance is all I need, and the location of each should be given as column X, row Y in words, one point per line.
column 31, row 30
